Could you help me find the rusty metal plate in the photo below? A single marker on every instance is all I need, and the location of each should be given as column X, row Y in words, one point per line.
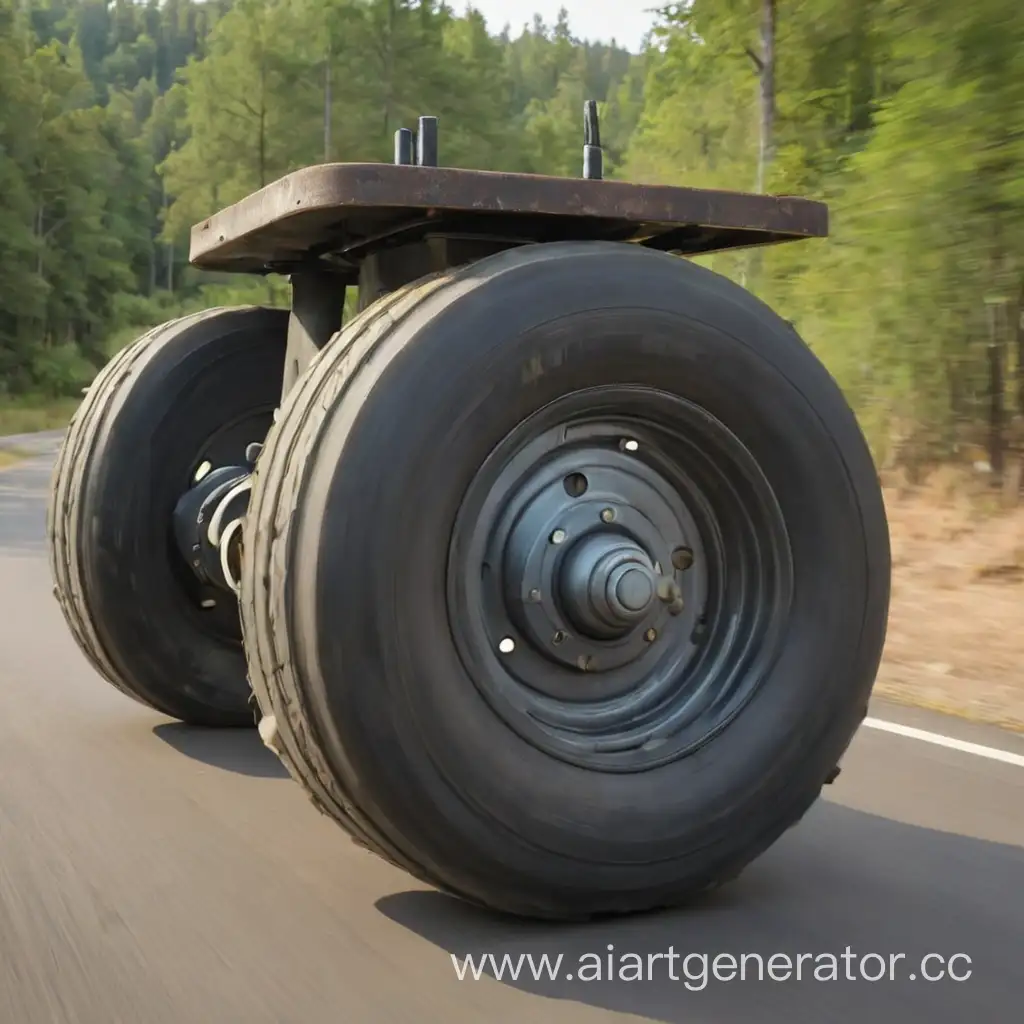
column 332, row 207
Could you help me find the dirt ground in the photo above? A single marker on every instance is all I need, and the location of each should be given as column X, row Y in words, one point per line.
column 956, row 625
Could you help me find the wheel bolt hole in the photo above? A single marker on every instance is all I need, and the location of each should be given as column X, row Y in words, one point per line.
column 558, row 638
column 507, row 645
column 627, row 444
column 682, row 558
column 575, row 485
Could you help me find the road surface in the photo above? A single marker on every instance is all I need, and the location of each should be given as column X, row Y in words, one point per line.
column 152, row 873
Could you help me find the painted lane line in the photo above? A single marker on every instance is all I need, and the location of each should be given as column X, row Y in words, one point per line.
column 992, row 753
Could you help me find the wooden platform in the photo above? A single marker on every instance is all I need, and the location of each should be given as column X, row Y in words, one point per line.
column 351, row 210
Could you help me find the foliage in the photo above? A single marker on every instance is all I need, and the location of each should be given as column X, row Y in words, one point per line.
column 906, row 119
column 123, row 123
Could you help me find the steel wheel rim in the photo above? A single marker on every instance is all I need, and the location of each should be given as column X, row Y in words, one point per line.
column 687, row 482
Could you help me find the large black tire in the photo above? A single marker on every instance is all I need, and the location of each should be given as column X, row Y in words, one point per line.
column 193, row 390
column 352, row 628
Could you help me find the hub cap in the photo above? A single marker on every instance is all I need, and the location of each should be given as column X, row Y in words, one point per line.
column 608, row 584
column 617, row 583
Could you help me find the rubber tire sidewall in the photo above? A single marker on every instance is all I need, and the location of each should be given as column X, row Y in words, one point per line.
column 389, row 699
column 133, row 453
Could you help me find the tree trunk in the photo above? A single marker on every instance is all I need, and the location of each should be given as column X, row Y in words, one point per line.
column 262, row 155
column 328, row 103
column 995, row 396
column 1018, row 330
column 389, row 69
column 40, row 238
column 1015, row 474
column 764, row 64
column 766, row 76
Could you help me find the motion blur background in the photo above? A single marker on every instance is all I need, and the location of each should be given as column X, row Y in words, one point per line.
column 121, row 124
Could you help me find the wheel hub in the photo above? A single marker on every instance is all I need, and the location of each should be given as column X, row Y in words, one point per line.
column 207, row 521
column 608, row 585
column 616, row 580
column 582, row 568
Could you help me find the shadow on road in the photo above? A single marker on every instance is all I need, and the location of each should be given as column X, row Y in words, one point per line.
column 235, row 750
column 887, row 892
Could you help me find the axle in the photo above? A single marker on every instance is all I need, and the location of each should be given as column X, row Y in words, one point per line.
column 207, row 522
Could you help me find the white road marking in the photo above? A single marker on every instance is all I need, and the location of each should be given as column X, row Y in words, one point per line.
column 992, row 753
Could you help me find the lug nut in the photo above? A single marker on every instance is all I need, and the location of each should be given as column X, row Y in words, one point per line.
column 651, row 635
column 558, row 537
column 558, row 638
column 607, row 515
column 669, row 594
column 534, row 596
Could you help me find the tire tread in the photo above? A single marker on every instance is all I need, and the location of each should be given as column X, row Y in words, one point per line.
column 82, row 444
column 267, row 540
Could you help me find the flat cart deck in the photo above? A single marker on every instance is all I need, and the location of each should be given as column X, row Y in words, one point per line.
column 346, row 211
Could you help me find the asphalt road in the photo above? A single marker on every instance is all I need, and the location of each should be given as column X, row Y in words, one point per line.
column 152, row 873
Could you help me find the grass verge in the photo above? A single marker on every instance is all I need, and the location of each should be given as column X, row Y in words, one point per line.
column 27, row 415
column 11, row 457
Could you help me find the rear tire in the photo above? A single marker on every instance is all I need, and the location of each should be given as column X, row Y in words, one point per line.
column 373, row 614
column 194, row 390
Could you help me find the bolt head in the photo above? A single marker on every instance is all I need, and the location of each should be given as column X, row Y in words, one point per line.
column 651, row 635
column 534, row 596
column 558, row 537
column 607, row 515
